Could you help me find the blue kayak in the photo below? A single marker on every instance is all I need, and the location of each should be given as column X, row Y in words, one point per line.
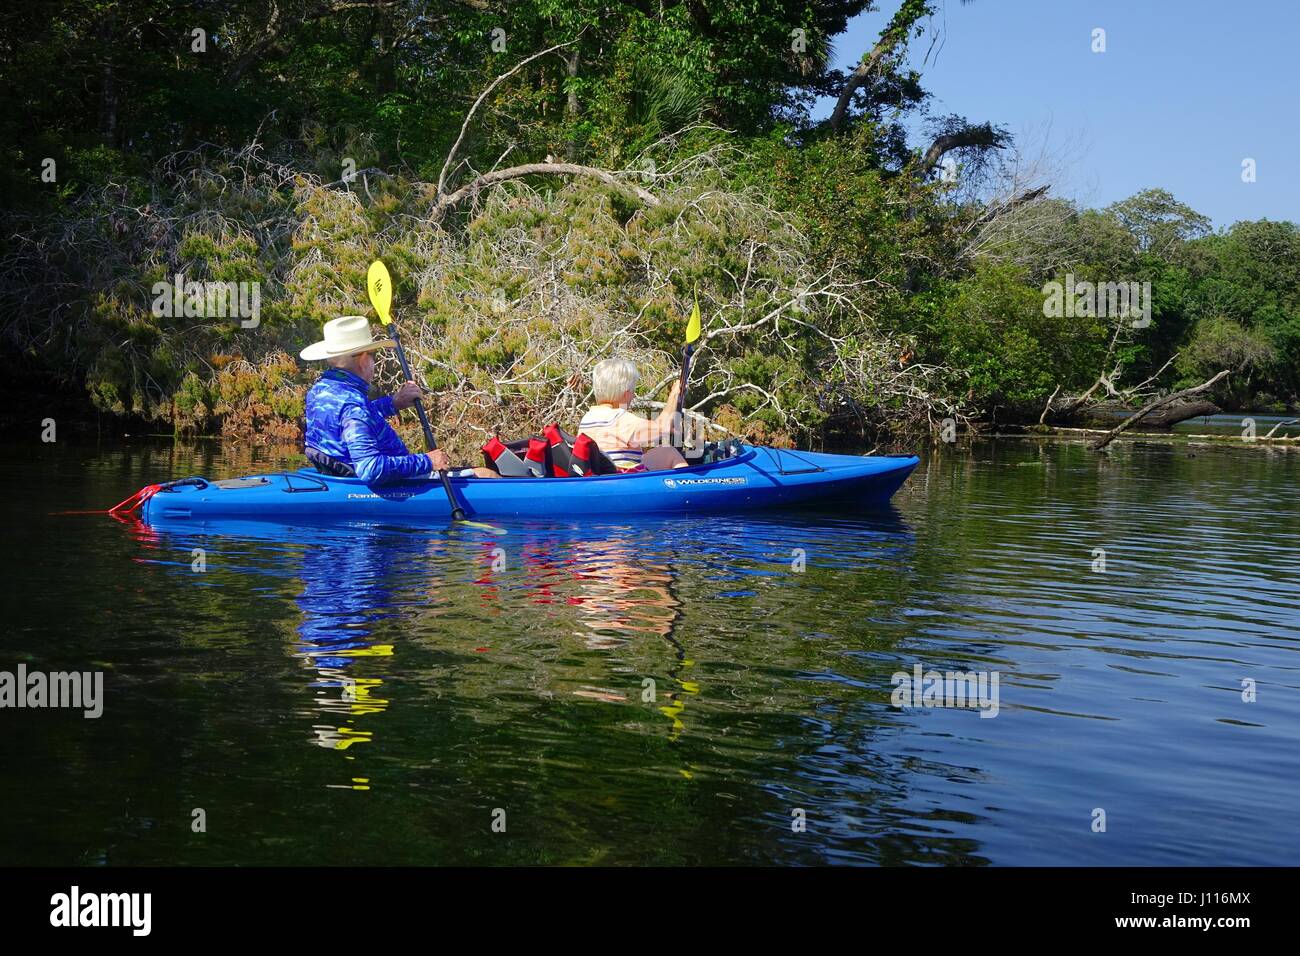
column 758, row 477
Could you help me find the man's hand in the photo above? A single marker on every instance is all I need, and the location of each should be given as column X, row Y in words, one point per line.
column 439, row 459
column 406, row 396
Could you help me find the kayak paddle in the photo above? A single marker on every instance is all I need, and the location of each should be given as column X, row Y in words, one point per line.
column 380, row 287
column 692, row 333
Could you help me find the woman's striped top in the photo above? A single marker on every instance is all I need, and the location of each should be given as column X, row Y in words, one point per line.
column 624, row 459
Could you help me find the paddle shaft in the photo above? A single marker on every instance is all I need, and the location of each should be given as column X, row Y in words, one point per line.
column 681, row 393
column 457, row 512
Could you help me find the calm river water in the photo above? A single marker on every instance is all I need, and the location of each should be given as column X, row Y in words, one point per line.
column 704, row 691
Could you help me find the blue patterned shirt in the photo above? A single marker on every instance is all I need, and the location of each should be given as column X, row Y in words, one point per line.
column 343, row 424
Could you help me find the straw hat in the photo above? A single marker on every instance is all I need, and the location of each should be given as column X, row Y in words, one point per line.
column 345, row 336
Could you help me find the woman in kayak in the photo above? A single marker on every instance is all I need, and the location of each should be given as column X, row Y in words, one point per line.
column 346, row 432
column 631, row 442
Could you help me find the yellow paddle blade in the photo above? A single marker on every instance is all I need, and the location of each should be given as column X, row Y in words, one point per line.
column 380, row 287
column 693, row 326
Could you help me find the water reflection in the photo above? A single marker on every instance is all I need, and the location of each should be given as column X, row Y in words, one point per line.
column 346, row 590
column 483, row 672
column 609, row 594
column 710, row 643
column 622, row 595
column 613, row 588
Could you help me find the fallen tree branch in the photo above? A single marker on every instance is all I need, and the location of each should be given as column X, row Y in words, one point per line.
column 1048, row 407
column 1152, row 406
column 1070, row 407
column 1143, row 384
column 1005, row 206
column 1293, row 421
column 1171, row 415
column 1073, row 405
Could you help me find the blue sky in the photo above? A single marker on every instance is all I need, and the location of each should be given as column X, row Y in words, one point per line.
column 1185, row 91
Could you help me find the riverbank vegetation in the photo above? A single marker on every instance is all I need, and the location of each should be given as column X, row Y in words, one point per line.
column 551, row 183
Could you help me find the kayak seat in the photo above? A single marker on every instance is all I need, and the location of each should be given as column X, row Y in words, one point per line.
column 508, row 459
column 588, row 457
column 580, row 457
column 329, row 465
column 554, row 454
column 559, row 453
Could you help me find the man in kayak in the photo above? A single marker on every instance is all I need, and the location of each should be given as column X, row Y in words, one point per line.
column 346, row 432
column 631, row 442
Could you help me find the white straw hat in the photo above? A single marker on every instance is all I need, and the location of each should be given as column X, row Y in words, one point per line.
column 345, row 336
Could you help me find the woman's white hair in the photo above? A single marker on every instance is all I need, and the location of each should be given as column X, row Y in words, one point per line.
column 612, row 377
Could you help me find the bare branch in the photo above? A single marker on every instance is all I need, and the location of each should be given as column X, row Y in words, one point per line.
column 1293, row 421
column 1152, row 406
column 464, row 127
column 1048, row 407
column 447, row 202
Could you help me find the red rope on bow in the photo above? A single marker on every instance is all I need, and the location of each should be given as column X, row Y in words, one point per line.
column 122, row 507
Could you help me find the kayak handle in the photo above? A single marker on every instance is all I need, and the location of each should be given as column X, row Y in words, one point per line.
column 199, row 483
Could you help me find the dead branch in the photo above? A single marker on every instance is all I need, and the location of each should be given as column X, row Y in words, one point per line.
column 1152, row 406
column 464, row 127
column 1001, row 207
column 446, row 203
column 1048, row 407
column 1293, row 421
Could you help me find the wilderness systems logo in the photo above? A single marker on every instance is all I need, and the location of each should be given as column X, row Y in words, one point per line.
column 37, row 689
column 102, row 909
column 693, row 482
column 921, row 688
column 1119, row 300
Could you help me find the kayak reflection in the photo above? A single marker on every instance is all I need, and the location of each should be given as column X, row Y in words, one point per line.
column 487, row 627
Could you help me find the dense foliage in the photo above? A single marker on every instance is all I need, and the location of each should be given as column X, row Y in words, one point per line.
column 848, row 286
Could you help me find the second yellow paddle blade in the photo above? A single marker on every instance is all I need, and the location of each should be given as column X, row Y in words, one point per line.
column 693, row 326
column 380, row 287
